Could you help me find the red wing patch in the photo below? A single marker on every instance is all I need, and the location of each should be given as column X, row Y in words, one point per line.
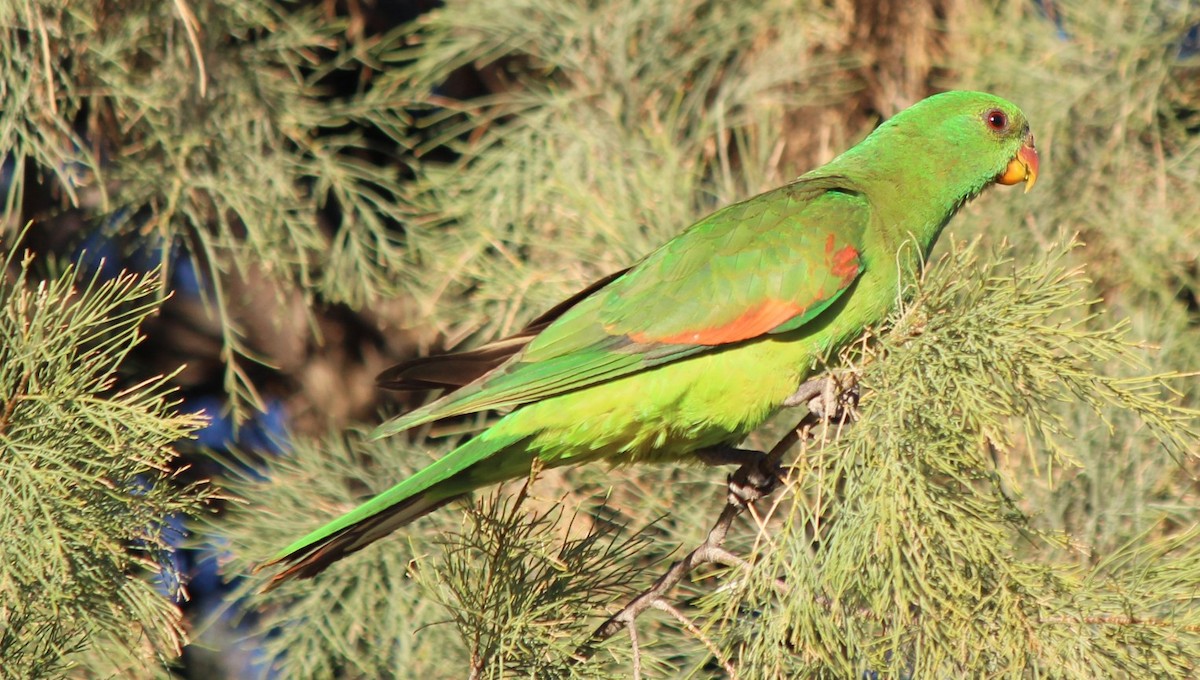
column 753, row 323
column 843, row 263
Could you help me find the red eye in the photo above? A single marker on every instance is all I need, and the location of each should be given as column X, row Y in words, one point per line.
column 996, row 120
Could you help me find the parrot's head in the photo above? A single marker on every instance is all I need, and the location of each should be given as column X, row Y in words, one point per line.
column 984, row 136
column 951, row 146
column 1005, row 129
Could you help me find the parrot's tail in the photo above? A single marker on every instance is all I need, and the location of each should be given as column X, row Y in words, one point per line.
column 315, row 558
column 445, row 480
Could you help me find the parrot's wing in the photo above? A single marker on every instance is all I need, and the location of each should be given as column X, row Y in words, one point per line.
column 455, row 369
column 767, row 265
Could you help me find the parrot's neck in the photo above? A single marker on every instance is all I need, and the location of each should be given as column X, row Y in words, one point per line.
column 915, row 198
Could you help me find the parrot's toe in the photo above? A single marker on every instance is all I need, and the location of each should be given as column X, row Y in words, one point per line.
column 836, row 404
column 753, row 481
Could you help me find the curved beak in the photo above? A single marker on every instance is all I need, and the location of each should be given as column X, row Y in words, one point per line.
column 1023, row 167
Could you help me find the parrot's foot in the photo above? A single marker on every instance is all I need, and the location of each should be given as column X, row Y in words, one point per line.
column 830, row 398
column 837, row 406
column 754, row 480
column 755, row 477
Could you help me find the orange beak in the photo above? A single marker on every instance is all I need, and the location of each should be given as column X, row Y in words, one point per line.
column 1023, row 167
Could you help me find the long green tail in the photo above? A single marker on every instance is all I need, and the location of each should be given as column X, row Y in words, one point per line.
column 424, row 492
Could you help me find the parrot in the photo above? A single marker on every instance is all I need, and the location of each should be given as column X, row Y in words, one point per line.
column 694, row 346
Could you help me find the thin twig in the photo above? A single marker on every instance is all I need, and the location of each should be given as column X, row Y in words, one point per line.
column 190, row 25
column 1115, row 621
column 700, row 555
column 698, row 634
column 47, row 65
column 725, row 558
column 637, row 650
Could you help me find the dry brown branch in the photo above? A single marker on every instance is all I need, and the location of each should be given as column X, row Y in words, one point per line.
column 691, row 627
column 637, row 651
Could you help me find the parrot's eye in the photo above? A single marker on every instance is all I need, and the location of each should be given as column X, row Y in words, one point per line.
column 996, row 120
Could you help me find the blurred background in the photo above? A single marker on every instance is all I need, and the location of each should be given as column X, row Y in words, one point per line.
column 323, row 188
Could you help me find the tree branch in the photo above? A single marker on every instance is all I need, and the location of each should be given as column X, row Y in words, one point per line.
column 637, row 651
column 711, row 551
column 698, row 634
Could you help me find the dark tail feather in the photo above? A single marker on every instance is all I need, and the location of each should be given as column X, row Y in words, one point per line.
column 450, row 371
column 314, row 559
column 561, row 308
column 453, row 370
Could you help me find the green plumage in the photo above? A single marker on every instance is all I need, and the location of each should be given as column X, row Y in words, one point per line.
column 699, row 342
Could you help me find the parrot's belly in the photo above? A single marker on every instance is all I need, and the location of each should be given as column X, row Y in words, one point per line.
column 667, row 412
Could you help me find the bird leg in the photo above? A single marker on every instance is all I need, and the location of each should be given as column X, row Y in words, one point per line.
column 829, row 398
column 756, row 477
column 754, row 480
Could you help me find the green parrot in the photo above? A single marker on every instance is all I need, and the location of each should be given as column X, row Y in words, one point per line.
column 695, row 345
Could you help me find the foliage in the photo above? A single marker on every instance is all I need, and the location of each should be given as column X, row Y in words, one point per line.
column 518, row 582
column 1016, row 498
column 209, row 126
column 542, row 583
column 905, row 546
column 87, row 481
column 1073, row 541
